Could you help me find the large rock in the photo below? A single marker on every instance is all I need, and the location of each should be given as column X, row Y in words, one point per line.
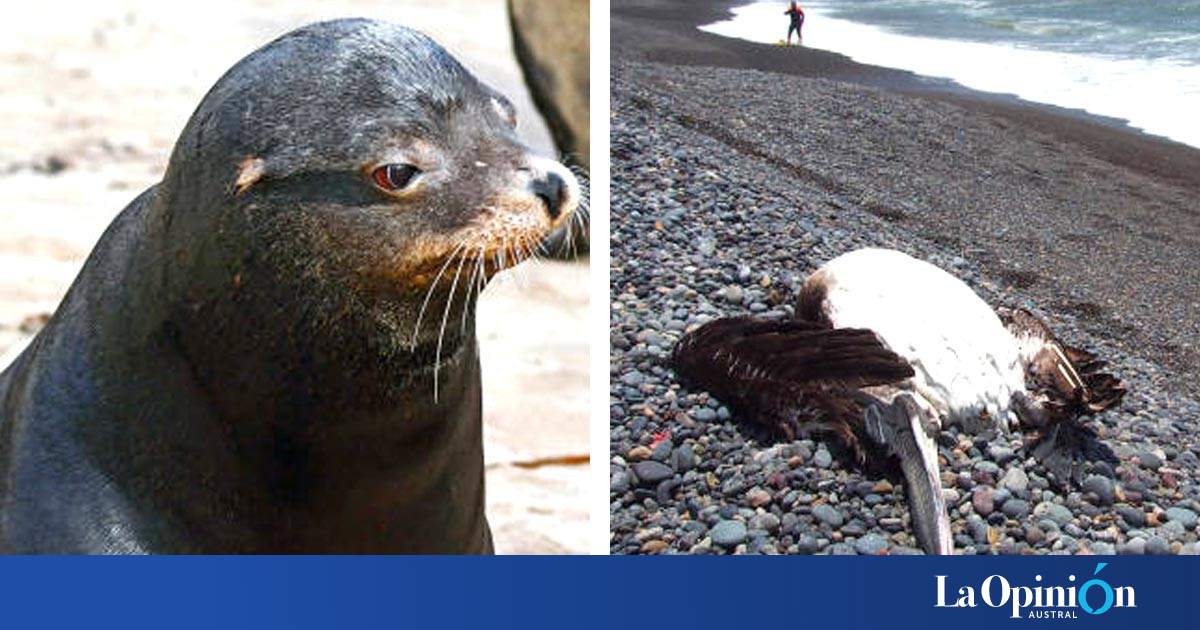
column 551, row 40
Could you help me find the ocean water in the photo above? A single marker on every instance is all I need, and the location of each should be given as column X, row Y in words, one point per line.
column 1134, row 60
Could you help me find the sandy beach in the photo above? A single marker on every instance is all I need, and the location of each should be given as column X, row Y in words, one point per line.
column 95, row 97
column 739, row 167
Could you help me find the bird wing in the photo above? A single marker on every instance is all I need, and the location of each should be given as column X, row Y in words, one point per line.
column 1071, row 378
column 1069, row 383
column 784, row 374
column 785, row 352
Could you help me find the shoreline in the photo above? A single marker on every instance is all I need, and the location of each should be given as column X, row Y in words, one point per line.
column 1110, row 138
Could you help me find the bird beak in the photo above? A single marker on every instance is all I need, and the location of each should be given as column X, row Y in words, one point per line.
column 901, row 428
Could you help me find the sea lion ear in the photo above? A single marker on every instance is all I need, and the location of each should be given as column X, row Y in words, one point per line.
column 250, row 170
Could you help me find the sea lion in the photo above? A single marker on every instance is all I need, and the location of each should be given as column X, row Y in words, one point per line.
column 272, row 350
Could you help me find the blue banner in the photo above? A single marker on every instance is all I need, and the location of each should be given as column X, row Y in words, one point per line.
column 598, row 592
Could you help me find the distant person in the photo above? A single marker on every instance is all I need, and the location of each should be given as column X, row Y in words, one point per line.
column 797, row 15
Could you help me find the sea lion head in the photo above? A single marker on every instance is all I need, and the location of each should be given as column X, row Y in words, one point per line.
column 357, row 166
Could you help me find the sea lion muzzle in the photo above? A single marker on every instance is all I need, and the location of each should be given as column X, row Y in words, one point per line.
column 552, row 190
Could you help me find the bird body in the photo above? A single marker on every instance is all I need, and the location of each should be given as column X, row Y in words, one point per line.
column 884, row 352
column 965, row 362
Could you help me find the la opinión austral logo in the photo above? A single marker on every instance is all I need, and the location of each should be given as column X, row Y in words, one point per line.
column 1040, row 600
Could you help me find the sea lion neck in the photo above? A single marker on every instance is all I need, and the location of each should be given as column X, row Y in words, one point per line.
column 248, row 307
column 324, row 401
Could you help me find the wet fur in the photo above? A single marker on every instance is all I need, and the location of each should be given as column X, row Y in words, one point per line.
column 249, row 360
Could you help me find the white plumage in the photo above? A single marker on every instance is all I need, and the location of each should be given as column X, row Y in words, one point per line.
column 966, row 362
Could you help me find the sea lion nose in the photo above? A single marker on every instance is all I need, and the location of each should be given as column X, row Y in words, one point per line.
column 552, row 189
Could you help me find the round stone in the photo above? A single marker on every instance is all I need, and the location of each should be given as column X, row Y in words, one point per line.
column 728, row 533
column 871, row 545
column 828, row 514
column 1183, row 516
column 650, row 472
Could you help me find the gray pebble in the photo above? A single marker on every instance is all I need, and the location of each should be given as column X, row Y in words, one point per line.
column 988, row 467
column 1149, row 459
column 1015, row 480
column 1136, row 546
column 728, row 533
column 841, row 549
column 1102, row 487
column 650, row 473
column 808, row 544
column 1156, row 546
column 1183, row 516
column 1055, row 512
column 871, row 545
column 1000, row 454
column 683, row 459
column 981, row 500
column 1015, row 508
column 662, row 451
column 733, row 294
column 828, row 514
column 1133, row 516
column 766, row 521
column 619, row 482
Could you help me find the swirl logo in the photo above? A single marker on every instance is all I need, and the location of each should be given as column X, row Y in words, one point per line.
column 1109, row 598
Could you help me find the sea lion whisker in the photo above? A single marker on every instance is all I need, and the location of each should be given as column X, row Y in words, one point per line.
column 437, row 357
column 578, row 230
column 533, row 255
column 517, row 253
column 577, row 221
column 469, row 281
column 429, row 294
column 473, row 284
column 482, row 279
column 564, row 248
column 520, row 255
column 531, row 248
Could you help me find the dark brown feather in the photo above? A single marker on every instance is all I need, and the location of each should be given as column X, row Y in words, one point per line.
column 1099, row 391
column 791, row 376
column 810, row 305
column 1063, row 442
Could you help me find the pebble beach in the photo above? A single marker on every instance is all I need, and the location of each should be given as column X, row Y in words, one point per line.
column 731, row 183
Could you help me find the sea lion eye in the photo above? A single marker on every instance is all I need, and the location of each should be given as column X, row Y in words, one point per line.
column 393, row 177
